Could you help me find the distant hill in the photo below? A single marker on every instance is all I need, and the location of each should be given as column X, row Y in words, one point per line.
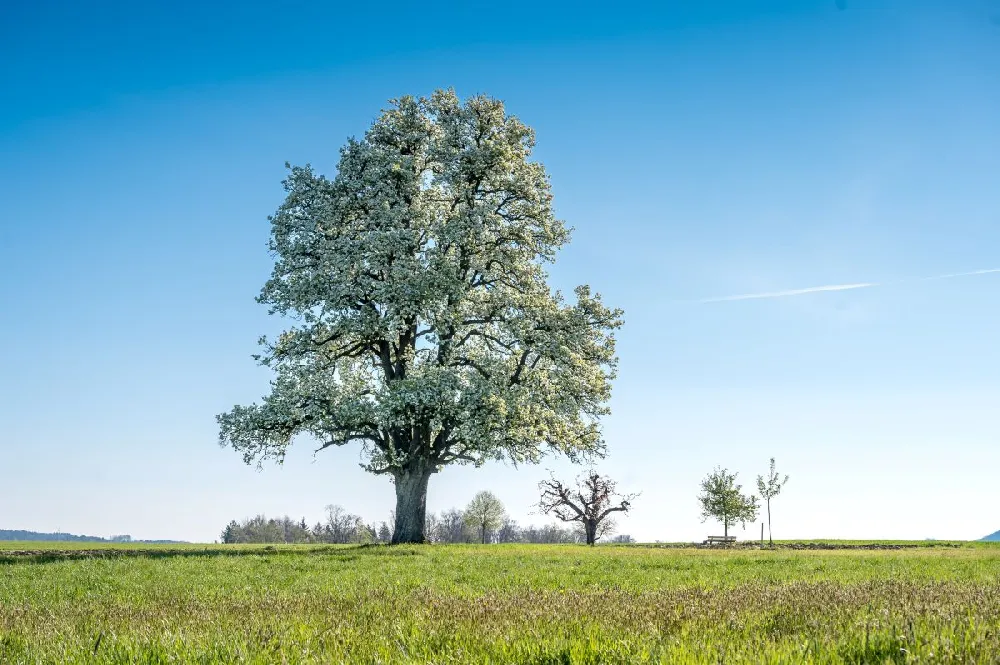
column 18, row 534
column 993, row 537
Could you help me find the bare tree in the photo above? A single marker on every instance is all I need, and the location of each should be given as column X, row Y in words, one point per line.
column 768, row 489
column 509, row 531
column 589, row 502
column 451, row 526
column 431, row 528
column 547, row 534
column 342, row 527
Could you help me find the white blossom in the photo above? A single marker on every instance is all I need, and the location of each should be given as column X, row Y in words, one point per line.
column 424, row 327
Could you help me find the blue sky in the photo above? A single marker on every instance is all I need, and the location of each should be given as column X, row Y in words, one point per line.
column 730, row 148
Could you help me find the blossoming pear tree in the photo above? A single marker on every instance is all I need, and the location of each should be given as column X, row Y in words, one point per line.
column 422, row 326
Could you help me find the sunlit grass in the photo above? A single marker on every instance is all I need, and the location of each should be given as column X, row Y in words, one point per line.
column 534, row 604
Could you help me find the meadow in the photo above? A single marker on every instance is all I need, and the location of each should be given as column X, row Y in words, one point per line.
column 925, row 603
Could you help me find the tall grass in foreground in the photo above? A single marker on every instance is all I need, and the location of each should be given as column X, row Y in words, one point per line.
column 523, row 604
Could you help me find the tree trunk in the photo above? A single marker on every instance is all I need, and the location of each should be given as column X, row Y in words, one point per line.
column 770, row 538
column 725, row 527
column 484, row 533
column 411, row 504
column 591, row 532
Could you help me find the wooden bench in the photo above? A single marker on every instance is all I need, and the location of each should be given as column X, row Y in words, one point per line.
column 719, row 540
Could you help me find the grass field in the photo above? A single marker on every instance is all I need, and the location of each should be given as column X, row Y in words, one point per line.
column 472, row 604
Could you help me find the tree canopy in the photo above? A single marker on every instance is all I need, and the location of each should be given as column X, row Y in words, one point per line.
column 722, row 499
column 424, row 329
column 485, row 513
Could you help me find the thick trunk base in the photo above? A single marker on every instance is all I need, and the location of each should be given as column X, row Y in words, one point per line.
column 411, row 506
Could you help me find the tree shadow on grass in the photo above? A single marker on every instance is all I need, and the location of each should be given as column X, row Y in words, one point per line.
column 342, row 552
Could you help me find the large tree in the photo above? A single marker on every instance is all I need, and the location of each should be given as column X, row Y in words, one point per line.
column 590, row 502
column 722, row 498
column 424, row 328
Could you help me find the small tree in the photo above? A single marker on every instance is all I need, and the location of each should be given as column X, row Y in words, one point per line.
column 384, row 533
column 768, row 489
column 451, row 527
column 341, row 526
column 363, row 534
column 485, row 514
column 431, row 527
column 232, row 533
column 590, row 503
column 722, row 499
column 509, row 531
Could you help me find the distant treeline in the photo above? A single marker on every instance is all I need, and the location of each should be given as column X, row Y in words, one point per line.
column 341, row 527
column 17, row 534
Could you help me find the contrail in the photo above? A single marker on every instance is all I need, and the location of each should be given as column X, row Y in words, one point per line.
column 793, row 292
column 842, row 287
column 961, row 274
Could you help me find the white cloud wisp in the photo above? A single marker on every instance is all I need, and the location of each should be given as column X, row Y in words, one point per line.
column 841, row 287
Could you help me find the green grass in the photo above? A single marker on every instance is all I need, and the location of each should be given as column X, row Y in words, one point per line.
column 524, row 604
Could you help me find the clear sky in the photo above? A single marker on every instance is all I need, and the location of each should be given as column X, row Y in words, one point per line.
column 700, row 151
